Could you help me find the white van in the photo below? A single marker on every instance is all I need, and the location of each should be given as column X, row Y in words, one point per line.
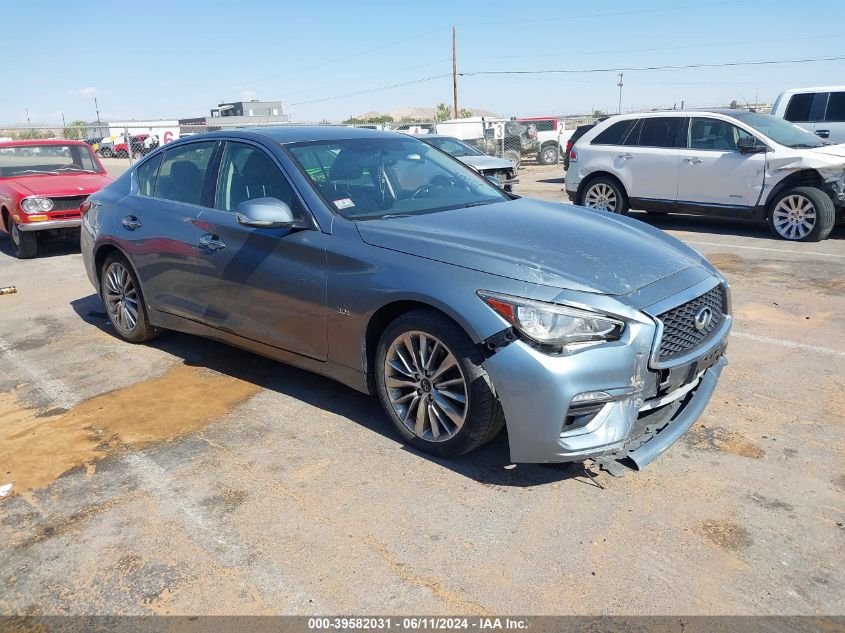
column 817, row 110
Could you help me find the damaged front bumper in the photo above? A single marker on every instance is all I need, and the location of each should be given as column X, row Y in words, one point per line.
column 607, row 401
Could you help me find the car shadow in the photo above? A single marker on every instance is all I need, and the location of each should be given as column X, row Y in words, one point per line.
column 718, row 226
column 489, row 465
column 53, row 247
column 552, row 181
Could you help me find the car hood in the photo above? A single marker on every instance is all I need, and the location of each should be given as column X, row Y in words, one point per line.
column 539, row 242
column 486, row 162
column 64, row 185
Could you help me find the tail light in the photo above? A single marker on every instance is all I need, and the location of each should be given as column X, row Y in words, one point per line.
column 573, row 155
column 569, row 145
column 85, row 207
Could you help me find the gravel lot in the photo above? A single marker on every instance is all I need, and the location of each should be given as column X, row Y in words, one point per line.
column 185, row 476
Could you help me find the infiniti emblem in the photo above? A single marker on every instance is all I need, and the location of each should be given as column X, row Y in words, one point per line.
column 702, row 318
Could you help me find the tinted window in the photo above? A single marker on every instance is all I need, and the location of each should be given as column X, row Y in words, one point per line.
column 836, row 107
column 714, row 134
column 147, row 176
column 612, row 135
column 659, row 132
column 798, row 108
column 246, row 173
column 182, row 172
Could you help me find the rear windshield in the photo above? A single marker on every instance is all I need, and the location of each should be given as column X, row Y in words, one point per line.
column 32, row 160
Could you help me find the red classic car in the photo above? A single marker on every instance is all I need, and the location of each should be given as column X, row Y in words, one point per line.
column 42, row 185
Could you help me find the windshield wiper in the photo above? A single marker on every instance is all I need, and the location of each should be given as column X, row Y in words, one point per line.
column 36, row 171
column 393, row 216
column 804, row 146
column 74, row 168
column 477, row 204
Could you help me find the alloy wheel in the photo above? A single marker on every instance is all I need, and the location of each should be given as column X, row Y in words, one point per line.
column 601, row 196
column 426, row 386
column 794, row 217
column 121, row 297
column 549, row 156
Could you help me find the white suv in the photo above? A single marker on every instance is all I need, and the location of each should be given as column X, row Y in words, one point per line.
column 734, row 163
column 817, row 110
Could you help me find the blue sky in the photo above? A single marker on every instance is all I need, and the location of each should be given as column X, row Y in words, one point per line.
column 179, row 58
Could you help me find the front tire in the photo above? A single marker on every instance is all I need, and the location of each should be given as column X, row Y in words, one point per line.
column 432, row 386
column 802, row 214
column 25, row 243
column 124, row 300
column 605, row 194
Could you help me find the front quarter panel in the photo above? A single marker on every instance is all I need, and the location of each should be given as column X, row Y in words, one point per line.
column 364, row 278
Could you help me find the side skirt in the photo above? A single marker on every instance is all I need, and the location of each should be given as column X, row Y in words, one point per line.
column 341, row 373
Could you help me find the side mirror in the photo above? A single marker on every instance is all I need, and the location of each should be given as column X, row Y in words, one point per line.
column 749, row 145
column 265, row 213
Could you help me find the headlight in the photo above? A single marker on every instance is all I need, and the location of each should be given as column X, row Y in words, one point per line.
column 34, row 205
column 553, row 324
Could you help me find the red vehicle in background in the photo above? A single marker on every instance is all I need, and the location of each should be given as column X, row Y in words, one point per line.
column 42, row 187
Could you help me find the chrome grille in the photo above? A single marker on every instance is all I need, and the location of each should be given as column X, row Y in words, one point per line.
column 680, row 335
column 67, row 203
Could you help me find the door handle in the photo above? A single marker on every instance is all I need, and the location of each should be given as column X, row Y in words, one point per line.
column 625, row 156
column 823, row 133
column 692, row 161
column 212, row 242
column 131, row 222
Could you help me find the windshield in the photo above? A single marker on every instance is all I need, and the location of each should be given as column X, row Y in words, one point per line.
column 780, row 131
column 32, row 160
column 379, row 177
column 454, row 147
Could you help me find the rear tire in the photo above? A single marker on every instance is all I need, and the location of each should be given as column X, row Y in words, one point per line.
column 459, row 409
column 801, row 214
column 125, row 307
column 24, row 243
column 605, row 194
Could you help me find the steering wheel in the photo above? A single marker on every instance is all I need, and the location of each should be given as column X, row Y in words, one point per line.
column 422, row 189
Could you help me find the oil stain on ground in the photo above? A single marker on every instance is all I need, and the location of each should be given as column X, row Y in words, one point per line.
column 34, row 451
column 706, row 438
column 725, row 534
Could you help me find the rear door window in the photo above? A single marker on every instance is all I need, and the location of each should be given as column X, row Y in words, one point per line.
column 659, row 131
column 798, row 108
column 835, row 107
column 612, row 135
column 182, row 172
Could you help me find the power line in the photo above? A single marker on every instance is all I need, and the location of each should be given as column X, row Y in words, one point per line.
column 618, row 69
column 576, row 71
column 363, row 92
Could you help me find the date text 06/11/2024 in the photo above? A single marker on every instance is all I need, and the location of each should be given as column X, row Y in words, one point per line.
column 416, row 624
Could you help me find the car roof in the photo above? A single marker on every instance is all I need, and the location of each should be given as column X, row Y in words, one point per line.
column 48, row 141
column 814, row 89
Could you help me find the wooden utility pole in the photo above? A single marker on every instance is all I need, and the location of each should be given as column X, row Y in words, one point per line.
column 454, row 75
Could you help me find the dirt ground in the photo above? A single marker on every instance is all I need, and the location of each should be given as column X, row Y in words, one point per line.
column 185, row 477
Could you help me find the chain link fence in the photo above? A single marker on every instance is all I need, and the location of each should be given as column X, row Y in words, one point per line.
column 522, row 141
